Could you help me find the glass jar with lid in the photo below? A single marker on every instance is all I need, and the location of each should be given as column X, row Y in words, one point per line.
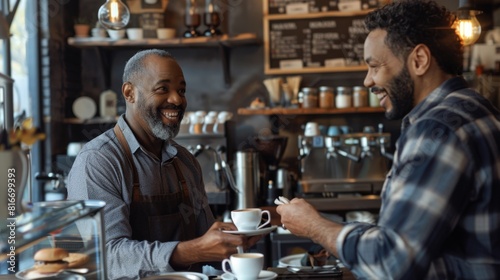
column 309, row 97
column 326, row 97
column 344, row 97
column 374, row 102
column 360, row 96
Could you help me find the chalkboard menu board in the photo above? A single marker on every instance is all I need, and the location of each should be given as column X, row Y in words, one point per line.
column 276, row 7
column 320, row 42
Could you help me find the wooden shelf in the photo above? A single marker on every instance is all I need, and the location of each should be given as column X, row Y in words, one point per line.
column 239, row 40
column 303, row 111
column 224, row 43
column 97, row 120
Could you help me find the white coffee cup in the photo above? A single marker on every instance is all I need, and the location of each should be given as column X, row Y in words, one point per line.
column 165, row 33
column 135, row 33
column 312, row 129
column 249, row 218
column 245, row 266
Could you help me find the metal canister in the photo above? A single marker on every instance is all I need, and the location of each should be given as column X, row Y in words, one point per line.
column 326, row 97
column 360, row 96
column 310, row 97
column 247, row 174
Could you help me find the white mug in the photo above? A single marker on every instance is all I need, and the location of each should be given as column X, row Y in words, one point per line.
column 246, row 266
column 249, row 218
column 312, row 129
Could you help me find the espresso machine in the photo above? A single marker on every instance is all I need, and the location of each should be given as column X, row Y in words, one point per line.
column 338, row 166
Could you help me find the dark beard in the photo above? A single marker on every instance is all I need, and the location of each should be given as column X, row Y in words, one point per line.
column 401, row 95
column 158, row 128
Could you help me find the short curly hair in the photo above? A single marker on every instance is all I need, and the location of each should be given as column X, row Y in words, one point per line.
column 412, row 22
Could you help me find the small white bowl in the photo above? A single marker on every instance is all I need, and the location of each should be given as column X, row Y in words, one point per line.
column 116, row 34
column 135, row 33
column 165, row 33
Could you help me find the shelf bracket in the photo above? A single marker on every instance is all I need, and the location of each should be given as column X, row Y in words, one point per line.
column 224, row 53
column 103, row 58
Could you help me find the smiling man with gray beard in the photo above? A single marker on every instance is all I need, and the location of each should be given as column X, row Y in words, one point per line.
column 157, row 213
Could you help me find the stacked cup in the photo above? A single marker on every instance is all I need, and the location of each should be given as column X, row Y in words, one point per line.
column 246, row 266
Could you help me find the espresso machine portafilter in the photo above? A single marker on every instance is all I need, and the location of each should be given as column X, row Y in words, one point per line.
column 336, row 163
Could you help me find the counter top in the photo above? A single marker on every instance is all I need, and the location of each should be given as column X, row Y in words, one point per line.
column 283, row 273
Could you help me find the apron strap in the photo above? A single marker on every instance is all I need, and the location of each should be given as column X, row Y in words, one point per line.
column 181, row 182
column 185, row 191
column 121, row 139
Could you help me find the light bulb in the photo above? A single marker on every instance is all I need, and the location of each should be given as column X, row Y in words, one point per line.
column 114, row 14
column 467, row 26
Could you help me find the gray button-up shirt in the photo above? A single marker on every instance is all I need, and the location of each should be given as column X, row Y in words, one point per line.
column 101, row 172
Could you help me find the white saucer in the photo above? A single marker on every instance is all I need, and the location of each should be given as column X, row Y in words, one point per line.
column 291, row 260
column 179, row 275
column 84, row 108
column 295, row 261
column 263, row 275
column 252, row 232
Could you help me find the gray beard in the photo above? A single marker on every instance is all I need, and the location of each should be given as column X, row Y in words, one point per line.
column 158, row 128
column 161, row 130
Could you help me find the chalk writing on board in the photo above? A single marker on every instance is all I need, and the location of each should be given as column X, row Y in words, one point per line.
column 330, row 41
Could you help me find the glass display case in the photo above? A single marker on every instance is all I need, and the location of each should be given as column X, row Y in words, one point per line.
column 76, row 226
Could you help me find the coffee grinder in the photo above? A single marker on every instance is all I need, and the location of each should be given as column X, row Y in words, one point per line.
column 271, row 149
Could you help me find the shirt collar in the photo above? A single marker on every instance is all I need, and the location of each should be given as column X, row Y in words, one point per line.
column 168, row 152
column 435, row 97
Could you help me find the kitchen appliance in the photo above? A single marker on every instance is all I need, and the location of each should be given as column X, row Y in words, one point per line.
column 339, row 166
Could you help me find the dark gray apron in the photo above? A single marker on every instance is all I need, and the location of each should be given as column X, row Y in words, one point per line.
column 165, row 217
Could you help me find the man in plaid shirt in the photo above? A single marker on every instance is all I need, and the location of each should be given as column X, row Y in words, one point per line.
column 440, row 214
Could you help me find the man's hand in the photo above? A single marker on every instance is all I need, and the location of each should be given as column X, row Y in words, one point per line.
column 299, row 217
column 214, row 245
column 302, row 219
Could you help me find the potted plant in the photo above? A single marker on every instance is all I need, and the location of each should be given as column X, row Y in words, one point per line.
column 81, row 27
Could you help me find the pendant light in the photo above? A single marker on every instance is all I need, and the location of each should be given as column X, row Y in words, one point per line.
column 466, row 24
column 114, row 14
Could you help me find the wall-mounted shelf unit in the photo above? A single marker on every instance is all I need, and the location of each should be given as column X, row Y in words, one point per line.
column 224, row 43
column 238, row 40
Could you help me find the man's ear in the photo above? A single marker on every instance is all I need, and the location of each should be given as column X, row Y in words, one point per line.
column 420, row 59
column 128, row 92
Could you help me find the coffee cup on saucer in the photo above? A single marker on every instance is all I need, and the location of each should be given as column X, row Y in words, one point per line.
column 245, row 266
column 249, row 218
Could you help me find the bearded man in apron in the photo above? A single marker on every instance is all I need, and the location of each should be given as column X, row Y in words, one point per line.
column 157, row 218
